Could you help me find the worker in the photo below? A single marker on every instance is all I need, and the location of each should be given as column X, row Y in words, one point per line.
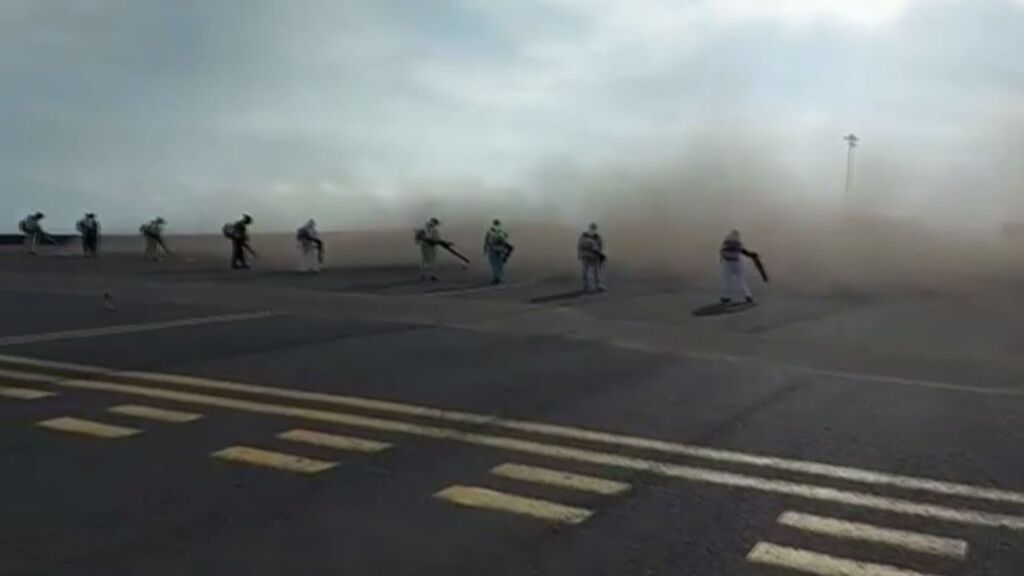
column 153, row 232
column 590, row 252
column 311, row 247
column 429, row 238
column 498, row 250
column 32, row 228
column 734, row 284
column 89, row 228
column 238, row 233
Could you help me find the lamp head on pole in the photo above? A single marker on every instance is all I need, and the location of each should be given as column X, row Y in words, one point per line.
column 851, row 139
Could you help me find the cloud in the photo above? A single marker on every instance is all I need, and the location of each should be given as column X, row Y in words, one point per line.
column 865, row 13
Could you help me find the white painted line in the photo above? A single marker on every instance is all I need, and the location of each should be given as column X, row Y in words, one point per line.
column 43, row 365
column 88, row 428
column 820, row 469
column 277, row 460
column 666, row 469
column 916, row 542
column 132, row 328
column 808, row 562
column 798, row 368
column 24, row 393
column 666, row 447
column 475, row 497
column 714, row 357
column 560, row 479
column 636, row 345
column 859, row 376
column 336, row 441
column 152, row 413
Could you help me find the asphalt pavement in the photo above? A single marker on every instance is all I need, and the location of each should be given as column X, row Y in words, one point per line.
column 186, row 419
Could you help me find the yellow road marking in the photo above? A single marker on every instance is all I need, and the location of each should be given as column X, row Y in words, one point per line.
column 278, row 460
column 475, row 497
column 842, row 529
column 24, row 393
column 559, row 478
column 665, row 469
column 844, row 473
column 820, row 564
column 151, row 413
column 88, row 427
column 334, row 441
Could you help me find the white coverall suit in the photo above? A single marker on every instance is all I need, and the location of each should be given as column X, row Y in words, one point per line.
column 497, row 250
column 590, row 252
column 33, row 231
column 428, row 250
column 734, row 284
column 153, row 232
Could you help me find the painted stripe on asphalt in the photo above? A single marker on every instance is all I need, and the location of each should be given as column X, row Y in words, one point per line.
column 132, row 328
column 335, row 441
column 914, row 541
column 152, row 413
column 666, row 469
column 28, row 377
column 559, row 478
column 860, row 376
column 276, row 460
column 88, row 427
column 819, row 564
column 24, row 393
column 475, row 497
column 845, row 473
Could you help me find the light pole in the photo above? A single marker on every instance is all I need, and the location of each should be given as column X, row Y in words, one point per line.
column 851, row 142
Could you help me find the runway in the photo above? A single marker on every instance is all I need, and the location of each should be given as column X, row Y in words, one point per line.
column 359, row 421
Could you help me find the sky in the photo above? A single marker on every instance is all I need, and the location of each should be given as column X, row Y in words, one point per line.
column 376, row 112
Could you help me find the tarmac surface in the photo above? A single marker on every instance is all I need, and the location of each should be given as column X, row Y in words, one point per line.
column 180, row 418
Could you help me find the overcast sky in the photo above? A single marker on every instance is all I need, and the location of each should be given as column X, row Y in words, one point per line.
column 199, row 109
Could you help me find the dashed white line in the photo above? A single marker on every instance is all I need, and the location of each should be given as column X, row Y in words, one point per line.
column 475, row 497
column 153, row 413
column 335, row 441
column 819, row 564
column 24, row 393
column 702, row 475
column 842, row 529
column 88, row 428
column 559, row 478
column 820, row 469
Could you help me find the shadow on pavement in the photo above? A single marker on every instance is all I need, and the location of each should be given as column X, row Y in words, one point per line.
column 558, row 297
column 383, row 286
column 459, row 287
column 720, row 308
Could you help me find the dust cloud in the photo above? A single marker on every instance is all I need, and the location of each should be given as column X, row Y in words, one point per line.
column 923, row 221
column 911, row 222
